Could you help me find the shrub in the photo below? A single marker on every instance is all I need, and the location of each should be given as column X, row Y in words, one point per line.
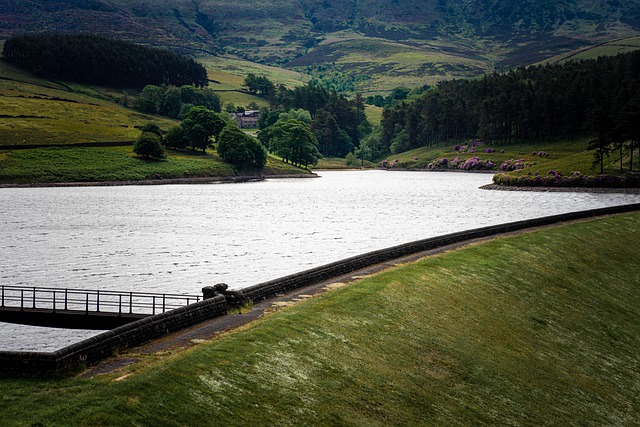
column 351, row 160
column 576, row 179
column 474, row 163
column 149, row 145
column 513, row 165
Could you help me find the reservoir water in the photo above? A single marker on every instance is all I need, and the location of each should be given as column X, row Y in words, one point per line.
column 179, row 238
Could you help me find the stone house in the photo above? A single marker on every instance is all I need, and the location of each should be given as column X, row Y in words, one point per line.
column 247, row 119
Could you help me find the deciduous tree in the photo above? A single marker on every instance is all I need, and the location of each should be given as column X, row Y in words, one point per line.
column 294, row 142
column 240, row 149
column 149, row 145
column 199, row 125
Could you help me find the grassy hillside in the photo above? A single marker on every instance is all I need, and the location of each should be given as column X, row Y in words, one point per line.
column 623, row 45
column 227, row 73
column 537, row 329
column 377, row 65
column 37, row 111
column 562, row 156
column 419, row 42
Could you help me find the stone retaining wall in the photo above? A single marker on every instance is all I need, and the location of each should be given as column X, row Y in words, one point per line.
column 106, row 344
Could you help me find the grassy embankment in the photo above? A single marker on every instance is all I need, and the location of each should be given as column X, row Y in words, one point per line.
column 48, row 165
column 38, row 111
column 537, row 329
column 562, row 156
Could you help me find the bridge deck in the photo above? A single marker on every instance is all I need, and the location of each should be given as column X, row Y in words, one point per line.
column 83, row 309
column 69, row 319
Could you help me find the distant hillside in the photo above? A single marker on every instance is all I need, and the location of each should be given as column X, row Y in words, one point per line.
column 383, row 43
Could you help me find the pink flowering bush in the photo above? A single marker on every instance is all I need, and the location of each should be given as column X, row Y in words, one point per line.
column 513, row 165
column 576, row 179
column 474, row 163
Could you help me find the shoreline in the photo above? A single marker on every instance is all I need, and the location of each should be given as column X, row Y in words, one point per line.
column 160, row 181
column 600, row 190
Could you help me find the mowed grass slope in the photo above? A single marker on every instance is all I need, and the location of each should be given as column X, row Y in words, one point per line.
column 536, row 329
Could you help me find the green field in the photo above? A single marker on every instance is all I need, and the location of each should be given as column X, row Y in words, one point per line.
column 38, row 111
column 77, row 164
column 537, row 329
column 227, row 74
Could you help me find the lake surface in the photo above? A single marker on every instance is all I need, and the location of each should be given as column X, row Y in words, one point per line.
column 179, row 238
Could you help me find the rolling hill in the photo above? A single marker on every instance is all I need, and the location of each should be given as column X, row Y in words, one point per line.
column 378, row 44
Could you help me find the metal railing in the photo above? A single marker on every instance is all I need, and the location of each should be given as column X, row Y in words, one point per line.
column 91, row 301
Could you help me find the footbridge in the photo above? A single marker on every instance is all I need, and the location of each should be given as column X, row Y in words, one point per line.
column 83, row 309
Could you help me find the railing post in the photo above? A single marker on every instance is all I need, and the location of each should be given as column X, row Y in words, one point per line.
column 86, row 307
column 130, row 302
column 21, row 299
column 120, row 305
column 3, row 295
column 98, row 301
column 65, row 299
column 154, row 304
column 34, row 297
column 54, row 301
column 163, row 303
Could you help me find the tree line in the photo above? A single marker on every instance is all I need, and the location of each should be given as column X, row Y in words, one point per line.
column 175, row 102
column 337, row 123
column 102, row 61
column 560, row 101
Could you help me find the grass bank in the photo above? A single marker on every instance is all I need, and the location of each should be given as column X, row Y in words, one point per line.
column 39, row 111
column 77, row 164
column 536, row 329
column 561, row 156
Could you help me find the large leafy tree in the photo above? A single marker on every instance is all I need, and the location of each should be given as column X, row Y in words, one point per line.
column 199, row 125
column 293, row 141
column 371, row 147
column 240, row 149
column 176, row 138
column 260, row 85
